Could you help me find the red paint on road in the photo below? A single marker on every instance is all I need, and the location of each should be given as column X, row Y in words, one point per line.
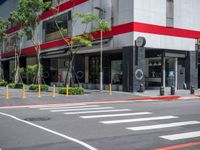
column 175, row 147
column 167, row 98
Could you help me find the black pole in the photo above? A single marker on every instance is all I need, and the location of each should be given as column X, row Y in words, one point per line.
column 162, row 92
column 192, row 90
column 172, row 90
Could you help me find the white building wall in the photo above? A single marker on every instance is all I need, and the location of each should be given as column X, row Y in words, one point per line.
column 123, row 14
column 186, row 14
column 154, row 12
column 150, row 11
column 167, row 42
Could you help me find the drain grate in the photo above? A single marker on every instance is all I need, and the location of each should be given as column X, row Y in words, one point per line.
column 37, row 119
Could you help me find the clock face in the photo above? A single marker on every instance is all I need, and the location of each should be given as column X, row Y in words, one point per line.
column 140, row 41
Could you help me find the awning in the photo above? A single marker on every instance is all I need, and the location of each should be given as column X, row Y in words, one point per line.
column 7, row 59
column 54, row 53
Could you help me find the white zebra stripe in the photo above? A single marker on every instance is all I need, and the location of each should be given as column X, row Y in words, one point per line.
column 138, row 119
column 82, row 109
column 181, row 136
column 65, row 107
column 160, row 126
column 115, row 115
column 99, row 111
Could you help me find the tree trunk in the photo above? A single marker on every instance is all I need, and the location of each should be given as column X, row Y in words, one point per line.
column 69, row 76
column 17, row 73
column 39, row 68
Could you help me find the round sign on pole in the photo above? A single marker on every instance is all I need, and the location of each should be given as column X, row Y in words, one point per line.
column 140, row 41
column 139, row 74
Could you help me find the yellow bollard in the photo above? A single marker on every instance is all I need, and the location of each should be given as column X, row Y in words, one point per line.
column 7, row 95
column 39, row 90
column 24, row 92
column 54, row 91
column 67, row 88
column 110, row 89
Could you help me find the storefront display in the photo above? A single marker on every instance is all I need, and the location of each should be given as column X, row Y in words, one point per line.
column 153, row 72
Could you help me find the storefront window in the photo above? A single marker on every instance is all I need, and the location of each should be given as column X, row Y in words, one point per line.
column 10, row 43
column 51, row 30
column 94, row 69
column 153, row 72
column 116, row 71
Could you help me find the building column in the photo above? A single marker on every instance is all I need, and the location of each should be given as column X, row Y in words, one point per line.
column 192, row 69
column 163, row 70
column 86, row 69
column 133, row 68
column 176, row 73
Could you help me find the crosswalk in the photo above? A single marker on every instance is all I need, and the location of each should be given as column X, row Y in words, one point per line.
column 126, row 117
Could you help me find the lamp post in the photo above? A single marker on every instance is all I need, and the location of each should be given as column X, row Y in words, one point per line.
column 101, row 49
column 101, row 62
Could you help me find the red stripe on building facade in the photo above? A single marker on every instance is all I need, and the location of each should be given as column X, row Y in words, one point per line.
column 121, row 29
column 63, row 7
column 162, row 30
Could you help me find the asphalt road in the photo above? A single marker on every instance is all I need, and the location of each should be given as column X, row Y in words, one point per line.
column 102, row 126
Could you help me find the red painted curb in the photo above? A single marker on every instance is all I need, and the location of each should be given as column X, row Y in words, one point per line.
column 181, row 146
column 157, row 98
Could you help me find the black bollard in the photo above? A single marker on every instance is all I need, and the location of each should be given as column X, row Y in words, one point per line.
column 191, row 90
column 141, row 88
column 162, row 92
column 172, row 90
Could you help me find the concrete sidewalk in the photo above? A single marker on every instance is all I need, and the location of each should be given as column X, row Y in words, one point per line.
column 156, row 92
column 90, row 95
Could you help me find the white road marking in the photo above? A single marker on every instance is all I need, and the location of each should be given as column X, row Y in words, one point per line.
column 137, row 120
column 65, row 104
column 82, row 103
column 64, row 107
column 115, row 115
column 51, row 131
column 56, row 105
column 181, row 136
column 82, row 109
column 99, row 111
column 160, row 126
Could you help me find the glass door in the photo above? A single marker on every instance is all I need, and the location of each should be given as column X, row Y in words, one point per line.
column 116, row 71
column 170, row 72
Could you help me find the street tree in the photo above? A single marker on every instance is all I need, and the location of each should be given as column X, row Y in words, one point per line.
column 75, row 42
column 28, row 14
column 4, row 24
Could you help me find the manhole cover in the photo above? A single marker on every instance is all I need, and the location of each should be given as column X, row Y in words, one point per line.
column 37, row 119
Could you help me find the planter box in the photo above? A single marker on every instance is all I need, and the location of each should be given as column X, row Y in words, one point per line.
column 85, row 85
column 92, row 86
column 106, row 87
column 120, row 88
column 115, row 87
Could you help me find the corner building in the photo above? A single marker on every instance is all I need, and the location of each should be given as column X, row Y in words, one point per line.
column 169, row 57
